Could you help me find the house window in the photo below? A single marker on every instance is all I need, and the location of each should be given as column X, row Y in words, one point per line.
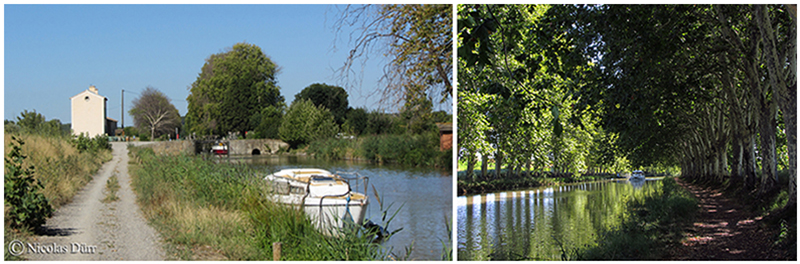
column 86, row 98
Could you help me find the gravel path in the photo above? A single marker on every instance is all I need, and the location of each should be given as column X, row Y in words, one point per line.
column 89, row 229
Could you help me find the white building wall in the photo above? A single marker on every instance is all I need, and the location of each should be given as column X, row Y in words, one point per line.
column 88, row 113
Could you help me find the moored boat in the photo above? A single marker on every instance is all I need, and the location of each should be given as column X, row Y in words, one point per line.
column 219, row 149
column 637, row 175
column 327, row 198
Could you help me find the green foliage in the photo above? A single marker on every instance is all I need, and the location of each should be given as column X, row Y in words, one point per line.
column 651, row 222
column 356, row 121
column 232, row 87
column 418, row 150
column 86, row 144
column 333, row 98
column 305, row 122
column 26, row 206
column 417, row 112
column 269, row 121
column 34, row 123
column 331, row 148
column 381, row 123
column 131, row 131
column 520, row 102
column 412, row 150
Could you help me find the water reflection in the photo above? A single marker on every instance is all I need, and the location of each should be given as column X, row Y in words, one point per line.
column 425, row 195
column 534, row 224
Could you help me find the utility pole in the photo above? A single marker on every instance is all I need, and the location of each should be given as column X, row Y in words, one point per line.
column 122, row 112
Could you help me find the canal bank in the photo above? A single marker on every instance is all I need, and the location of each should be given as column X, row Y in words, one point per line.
column 212, row 210
column 600, row 220
column 489, row 184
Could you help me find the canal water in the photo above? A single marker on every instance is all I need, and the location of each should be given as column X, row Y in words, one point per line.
column 425, row 195
column 535, row 224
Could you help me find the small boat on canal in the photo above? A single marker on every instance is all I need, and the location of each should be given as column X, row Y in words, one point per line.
column 327, row 198
column 219, row 149
column 637, row 175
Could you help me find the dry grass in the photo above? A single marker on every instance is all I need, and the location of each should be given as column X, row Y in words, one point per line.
column 61, row 169
column 112, row 186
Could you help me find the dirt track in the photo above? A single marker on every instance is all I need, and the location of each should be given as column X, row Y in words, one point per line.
column 724, row 230
column 103, row 231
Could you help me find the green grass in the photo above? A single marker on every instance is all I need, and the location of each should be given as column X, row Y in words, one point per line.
column 214, row 211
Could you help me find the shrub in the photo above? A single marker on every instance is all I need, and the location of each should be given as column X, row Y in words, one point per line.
column 27, row 206
column 86, row 144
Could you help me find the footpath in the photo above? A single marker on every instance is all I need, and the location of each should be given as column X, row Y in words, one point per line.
column 89, row 229
column 724, row 230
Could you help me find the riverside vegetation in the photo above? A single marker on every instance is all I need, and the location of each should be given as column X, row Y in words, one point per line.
column 215, row 211
column 413, row 150
column 44, row 163
column 651, row 222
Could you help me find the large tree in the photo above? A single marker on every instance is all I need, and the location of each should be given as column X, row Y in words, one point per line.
column 417, row 39
column 152, row 111
column 232, row 87
column 334, row 98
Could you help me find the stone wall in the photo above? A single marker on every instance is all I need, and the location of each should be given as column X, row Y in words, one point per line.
column 256, row 146
column 237, row 147
column 173, row 147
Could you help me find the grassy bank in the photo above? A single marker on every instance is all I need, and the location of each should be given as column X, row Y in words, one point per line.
column 61, row 164
column 413, row 150
column 214, row 211
column 652, row 220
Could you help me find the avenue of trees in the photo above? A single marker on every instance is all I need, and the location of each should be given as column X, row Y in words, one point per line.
column 580, row 88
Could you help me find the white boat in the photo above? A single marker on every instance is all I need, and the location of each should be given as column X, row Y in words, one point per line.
column 637, row 175
column 325, row 197
column 219, row 149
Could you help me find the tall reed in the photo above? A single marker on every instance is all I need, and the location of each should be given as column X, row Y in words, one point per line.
column 197, row 204
column 413, row 150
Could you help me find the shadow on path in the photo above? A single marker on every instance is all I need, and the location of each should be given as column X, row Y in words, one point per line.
column 724, row 230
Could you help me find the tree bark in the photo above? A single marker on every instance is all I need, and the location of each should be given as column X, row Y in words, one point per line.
column 484, row 166
column 785, row 94
column 768, row 156
column 471, row 166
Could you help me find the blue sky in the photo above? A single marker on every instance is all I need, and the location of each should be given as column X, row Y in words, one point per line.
column 53, row 52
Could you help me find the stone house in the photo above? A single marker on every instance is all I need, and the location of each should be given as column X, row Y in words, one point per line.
column 89, row 115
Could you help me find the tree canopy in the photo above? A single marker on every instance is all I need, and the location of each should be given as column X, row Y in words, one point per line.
column 232, row 87
column 334, row 98
column 152, row 111
column 417, row 39
column 695, row 86
column 304, row 122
